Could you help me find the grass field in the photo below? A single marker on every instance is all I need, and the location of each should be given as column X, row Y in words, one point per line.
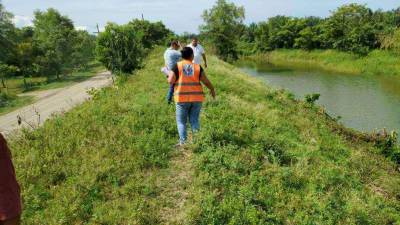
column 260, row 158
column 16, row 86
column 376, row 63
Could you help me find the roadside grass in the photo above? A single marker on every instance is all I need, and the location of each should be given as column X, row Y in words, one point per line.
column 376, row 63
column 16, row 86
column 9, row 103
column 261, row 158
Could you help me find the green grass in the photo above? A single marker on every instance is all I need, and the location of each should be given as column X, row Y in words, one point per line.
column 260, row 158
column 16, row 85
column 376, row 63
column 14, row 102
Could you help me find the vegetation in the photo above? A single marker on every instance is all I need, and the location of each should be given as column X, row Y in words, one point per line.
column 121, row 48
column 351, row 28
column 222, row 28
column 280, row 161
column 377, row 62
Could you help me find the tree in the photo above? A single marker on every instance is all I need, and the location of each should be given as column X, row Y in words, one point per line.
column 5, row 72
column 151, row 33
column 223, row 25
column 392, row 41
column 351, row 28
column 7, row 36
column 120, row 48
column 54, row 37
column 83, row 49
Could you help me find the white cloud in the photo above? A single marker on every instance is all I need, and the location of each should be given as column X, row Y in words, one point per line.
column 22, row 21
column 81, row 28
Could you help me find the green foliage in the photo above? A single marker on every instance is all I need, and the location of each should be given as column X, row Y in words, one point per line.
column 83, row 49
column 54, row 36
column 312, row 98
column 392, row 41
column 353, row 28
column 5, row 72
column 152, row 33
column 120, row 48
column 223, row 24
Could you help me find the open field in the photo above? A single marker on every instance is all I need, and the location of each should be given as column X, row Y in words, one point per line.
column 261, row 158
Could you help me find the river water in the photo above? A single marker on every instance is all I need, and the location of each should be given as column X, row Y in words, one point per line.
column 363, row 103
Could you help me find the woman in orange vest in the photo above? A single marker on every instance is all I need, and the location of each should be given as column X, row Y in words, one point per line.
column 10, row 200
column 189, row 96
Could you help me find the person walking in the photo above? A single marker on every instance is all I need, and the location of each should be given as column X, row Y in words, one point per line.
column 171, row 57
column 10, row 200
column 199, row 52
column 189, row 96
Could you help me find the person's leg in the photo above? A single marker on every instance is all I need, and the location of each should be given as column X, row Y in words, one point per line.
column 170, row 94
column 14, row 221
column 182, row 110
column 194, row 116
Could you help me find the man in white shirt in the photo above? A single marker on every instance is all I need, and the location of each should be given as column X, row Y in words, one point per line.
column 199, row 52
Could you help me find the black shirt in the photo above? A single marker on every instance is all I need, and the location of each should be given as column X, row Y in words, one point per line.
column 176, row 71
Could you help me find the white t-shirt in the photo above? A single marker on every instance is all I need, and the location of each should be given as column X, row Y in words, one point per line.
column 198, row 53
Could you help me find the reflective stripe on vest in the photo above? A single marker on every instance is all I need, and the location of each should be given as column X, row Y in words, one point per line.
column 188, row 87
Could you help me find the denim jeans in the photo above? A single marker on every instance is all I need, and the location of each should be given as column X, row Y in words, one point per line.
column 185, row 111
column 170, row 94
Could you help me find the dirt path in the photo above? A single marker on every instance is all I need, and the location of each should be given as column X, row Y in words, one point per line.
column 175, row 184
column 52, row 101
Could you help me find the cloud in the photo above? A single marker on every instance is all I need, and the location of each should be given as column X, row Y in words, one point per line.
column 81, row 28
column 22, row 21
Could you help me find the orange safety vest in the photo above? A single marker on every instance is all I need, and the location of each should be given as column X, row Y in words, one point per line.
column 188, row 87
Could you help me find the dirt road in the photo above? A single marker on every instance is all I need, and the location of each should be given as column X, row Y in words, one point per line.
column 52, row 101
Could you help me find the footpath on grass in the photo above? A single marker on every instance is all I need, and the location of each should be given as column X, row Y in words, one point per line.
column 261, row 158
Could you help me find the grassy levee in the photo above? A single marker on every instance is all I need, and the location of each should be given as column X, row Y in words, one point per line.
column 377, row 62
column 260, row 158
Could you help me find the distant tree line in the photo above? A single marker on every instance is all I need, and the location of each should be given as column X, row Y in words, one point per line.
column 353, row 28
column 51, row 47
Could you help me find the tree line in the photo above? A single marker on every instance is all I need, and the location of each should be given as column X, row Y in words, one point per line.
column 51, row 47
column 352, row 28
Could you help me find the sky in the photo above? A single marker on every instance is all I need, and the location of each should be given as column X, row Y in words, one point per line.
column 177, row 15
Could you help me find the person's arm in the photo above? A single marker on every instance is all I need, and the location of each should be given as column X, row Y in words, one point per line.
column 171, row 77
column 204, row 79
column 205, row 60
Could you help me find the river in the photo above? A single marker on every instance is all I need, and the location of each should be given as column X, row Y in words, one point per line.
column 363, row 103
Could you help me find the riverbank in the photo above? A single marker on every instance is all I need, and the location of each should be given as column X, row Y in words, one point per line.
column 261, row 157
column 376, row 63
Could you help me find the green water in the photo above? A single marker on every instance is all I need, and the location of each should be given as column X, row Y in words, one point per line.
column 363, row 103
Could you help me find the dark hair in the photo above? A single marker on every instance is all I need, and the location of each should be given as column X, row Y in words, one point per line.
column 174, row 42
column 195, row 38
column 187, row 52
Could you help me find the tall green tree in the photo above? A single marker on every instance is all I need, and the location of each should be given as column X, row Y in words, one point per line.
column 7, row 36
column 151, row 33
column 83, row 49
column 120, row 48
column 351, row 28
column 223, row 26
column 54, row 37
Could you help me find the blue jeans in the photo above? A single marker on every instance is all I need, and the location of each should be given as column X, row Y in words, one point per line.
column 170, row 94
column 185, row 111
